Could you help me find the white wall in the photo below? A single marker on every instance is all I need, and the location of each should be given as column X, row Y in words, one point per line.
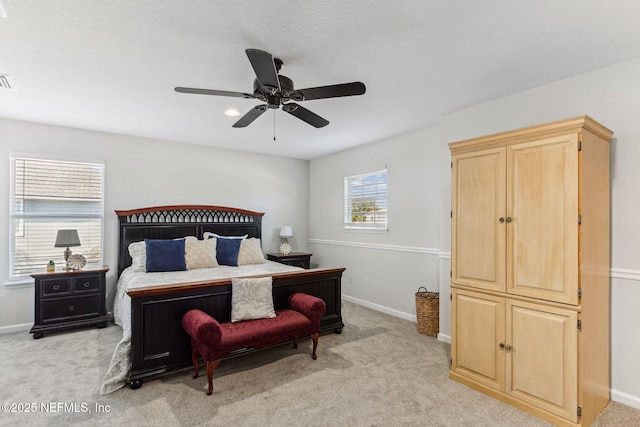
column 143, row 172
column 611, row 95
column 384, row 270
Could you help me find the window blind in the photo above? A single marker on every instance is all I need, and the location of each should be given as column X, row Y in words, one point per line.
column 365, row 200
column 47, row 196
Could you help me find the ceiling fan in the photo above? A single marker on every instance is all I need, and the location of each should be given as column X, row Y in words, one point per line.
column 276, row 90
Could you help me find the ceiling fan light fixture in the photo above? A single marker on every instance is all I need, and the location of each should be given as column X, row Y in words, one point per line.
column 232, row 112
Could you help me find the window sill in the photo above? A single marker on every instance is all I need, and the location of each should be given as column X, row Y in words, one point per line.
column 366, row 230
column 20, row 282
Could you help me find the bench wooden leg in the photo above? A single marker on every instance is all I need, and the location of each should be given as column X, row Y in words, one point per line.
column 314, row 337
column 295, row 342
column 211, row 367
column 194, row 359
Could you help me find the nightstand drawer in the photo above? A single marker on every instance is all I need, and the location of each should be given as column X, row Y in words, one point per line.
column 294, row 259
column 54, row 287
column 86, row 284
column 297, row 262
column 64, row 308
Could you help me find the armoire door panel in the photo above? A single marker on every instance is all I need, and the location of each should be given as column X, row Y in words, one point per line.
column 542, row 365
column 478, row 236
column 478, row 321
column 542, row 235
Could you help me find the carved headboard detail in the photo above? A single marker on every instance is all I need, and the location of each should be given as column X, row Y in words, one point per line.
column 170, row 222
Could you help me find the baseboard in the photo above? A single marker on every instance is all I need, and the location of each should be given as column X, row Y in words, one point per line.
column 391, row 312
column 444, row 338
column 15, row 328
column 625, row 399
column 381, row 308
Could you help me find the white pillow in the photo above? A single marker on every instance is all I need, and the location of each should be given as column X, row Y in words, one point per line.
column 200, row 253
column 209, row 235
column 251, row 298
column 250, row 252
column 138, row 252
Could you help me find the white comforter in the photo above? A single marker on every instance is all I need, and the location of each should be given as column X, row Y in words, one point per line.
column 117, row 375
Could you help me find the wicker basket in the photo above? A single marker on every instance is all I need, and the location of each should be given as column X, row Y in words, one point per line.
column 428, row 312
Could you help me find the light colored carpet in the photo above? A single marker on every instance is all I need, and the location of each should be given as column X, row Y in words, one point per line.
column 378, row 372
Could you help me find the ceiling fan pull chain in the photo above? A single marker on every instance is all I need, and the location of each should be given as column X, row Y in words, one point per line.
column 274, row 125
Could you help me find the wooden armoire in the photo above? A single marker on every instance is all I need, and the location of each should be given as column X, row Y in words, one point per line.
column 530, row 268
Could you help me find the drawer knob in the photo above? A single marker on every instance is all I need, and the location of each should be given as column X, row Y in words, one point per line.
column 72, row 307
column 56, row 287
column 86, row 284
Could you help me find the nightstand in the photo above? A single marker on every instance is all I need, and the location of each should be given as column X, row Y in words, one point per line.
column 296, row 259
column 68, row 299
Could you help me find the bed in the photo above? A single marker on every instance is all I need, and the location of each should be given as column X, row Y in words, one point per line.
column 149, row 306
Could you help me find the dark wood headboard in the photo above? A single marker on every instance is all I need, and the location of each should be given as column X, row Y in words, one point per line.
column 170, row 222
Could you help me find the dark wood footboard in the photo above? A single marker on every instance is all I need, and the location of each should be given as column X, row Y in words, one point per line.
column 159, row 344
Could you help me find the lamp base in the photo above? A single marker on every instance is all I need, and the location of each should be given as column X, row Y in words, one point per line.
column 67, row 254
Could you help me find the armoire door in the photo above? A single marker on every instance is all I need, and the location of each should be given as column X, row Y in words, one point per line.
column 478, row 325
column 542, row 219
column 477, row 219
column 542, row 358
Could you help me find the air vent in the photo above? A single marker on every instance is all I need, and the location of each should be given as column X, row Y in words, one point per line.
column 5, row 82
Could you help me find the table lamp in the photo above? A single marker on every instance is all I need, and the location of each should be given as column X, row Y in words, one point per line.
column 67, row 238
column 285, row 232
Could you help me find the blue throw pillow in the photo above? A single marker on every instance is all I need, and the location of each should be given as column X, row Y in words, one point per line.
column 165, row 255
column 227, row 251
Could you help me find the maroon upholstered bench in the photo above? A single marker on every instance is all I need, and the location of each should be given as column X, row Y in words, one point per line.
column 212, row 340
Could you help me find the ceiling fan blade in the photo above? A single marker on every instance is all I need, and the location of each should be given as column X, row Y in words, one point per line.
column 213, row 92
column 305, row 115
column 333, row 91
column 248, row 118
column 264, row 67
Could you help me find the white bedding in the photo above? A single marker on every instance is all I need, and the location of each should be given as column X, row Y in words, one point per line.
column 118, row 372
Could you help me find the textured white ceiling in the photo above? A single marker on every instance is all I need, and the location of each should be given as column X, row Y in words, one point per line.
column 111, row 65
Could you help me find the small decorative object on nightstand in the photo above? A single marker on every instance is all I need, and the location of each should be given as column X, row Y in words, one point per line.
column 296, row 259
column 286, row 232
column 68, row 299
column 76, row 262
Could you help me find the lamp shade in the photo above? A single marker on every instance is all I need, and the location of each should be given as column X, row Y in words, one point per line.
column 67, row 238
column 286, row 231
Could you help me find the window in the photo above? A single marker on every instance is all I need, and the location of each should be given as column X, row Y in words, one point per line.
column 47, row 196
column 365, row 201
